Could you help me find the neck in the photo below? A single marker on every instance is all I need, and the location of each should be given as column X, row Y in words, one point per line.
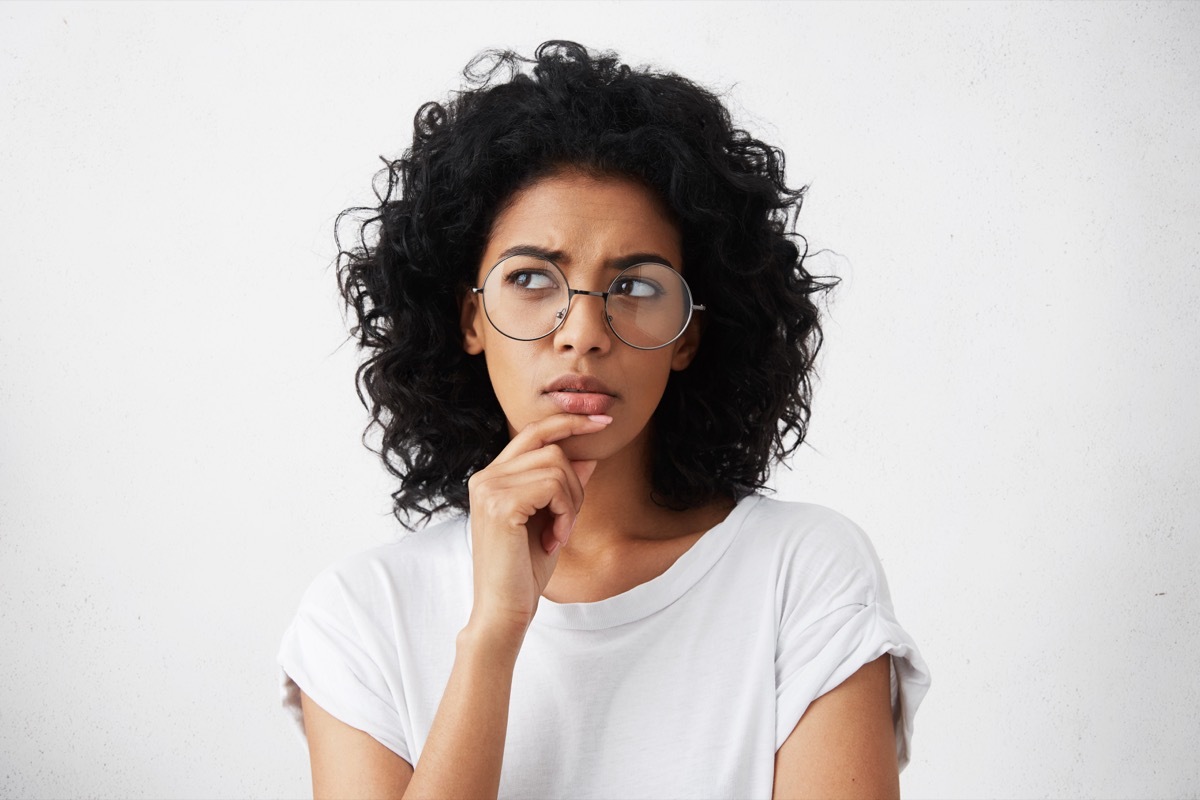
column 618, row 512
column 622, row 538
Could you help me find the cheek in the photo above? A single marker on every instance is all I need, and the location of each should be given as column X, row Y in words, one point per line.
column 646, row 379
column 513, row 378
column 653, row 380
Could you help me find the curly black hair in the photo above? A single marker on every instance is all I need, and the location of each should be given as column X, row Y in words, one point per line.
column 744, row 402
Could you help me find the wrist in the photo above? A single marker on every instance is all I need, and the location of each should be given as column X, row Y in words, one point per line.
column 496, row 643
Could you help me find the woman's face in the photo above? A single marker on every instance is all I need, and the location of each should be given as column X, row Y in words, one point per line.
column 594, row 227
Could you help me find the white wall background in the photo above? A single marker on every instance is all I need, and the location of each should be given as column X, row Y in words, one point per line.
column 1009, row 404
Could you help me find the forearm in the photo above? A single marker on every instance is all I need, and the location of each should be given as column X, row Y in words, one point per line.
column 465, row 749
column 523, row 506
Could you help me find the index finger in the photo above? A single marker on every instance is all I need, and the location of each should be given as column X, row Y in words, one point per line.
column 542, row 432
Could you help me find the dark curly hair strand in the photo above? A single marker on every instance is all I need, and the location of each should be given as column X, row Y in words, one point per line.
column 744, row 402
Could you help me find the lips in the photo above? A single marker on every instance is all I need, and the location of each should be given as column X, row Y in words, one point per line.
column 580, row 394
column 578, row 383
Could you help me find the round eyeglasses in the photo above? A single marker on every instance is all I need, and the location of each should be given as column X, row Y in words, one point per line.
column 647, row 306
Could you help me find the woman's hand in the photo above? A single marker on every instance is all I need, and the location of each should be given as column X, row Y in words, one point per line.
column 523, row 508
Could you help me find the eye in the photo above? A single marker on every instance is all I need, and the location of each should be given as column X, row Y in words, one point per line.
column 637, row 288
column 530, row 279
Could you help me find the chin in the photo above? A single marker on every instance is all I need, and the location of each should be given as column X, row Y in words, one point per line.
column 580, row 449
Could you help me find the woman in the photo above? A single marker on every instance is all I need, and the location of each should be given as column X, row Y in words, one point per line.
column 591, row 335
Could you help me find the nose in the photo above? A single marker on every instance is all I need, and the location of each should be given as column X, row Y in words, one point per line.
column 585, row 329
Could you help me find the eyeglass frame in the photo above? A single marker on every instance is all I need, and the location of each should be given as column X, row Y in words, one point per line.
column 693, row 307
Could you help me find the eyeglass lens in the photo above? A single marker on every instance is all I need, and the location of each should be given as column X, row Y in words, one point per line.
column 527, row 297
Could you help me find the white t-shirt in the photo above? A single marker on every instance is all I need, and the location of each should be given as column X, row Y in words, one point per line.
column 684, row 686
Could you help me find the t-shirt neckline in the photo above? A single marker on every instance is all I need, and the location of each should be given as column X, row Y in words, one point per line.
column 657, row 593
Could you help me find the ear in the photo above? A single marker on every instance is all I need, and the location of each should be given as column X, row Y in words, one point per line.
column 471, row 322
column 686, row 346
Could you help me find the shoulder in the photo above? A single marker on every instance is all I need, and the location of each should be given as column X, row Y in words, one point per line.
column 366, row 618
column 815, row 552
column 813, row 532
column 373, row 578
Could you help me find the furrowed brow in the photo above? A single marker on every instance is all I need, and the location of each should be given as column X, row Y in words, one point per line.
column 625, row 262
column 561, row 258
column 557, row 256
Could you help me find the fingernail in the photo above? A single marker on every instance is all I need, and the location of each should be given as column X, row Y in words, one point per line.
column 605, row 418
column 553, row 546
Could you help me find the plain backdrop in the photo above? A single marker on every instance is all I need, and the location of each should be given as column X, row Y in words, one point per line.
column 1008, row 402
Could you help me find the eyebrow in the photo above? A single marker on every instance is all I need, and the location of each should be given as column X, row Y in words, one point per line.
column 559, row 257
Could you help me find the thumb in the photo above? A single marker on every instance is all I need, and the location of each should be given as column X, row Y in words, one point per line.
column 584, row 470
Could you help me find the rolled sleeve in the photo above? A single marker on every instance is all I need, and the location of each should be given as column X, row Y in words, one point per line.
column 332, row 653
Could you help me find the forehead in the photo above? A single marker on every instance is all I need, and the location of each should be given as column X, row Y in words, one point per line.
column 589, row 220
